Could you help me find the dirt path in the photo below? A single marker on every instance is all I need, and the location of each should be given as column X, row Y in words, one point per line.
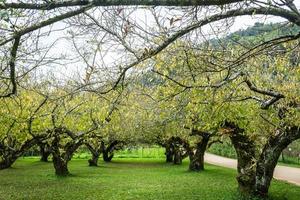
column 289, row 174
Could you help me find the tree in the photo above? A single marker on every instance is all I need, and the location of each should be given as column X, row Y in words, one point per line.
column 273, row 130
column 94, row 145
column 122, row 29
column 17, row 118
column 233, row 97
column 210, row 85
column 67, row 111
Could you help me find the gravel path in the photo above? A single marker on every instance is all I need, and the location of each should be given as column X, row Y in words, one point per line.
column 289, row 174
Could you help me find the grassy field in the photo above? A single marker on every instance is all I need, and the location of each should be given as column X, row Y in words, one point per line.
column 125, row 178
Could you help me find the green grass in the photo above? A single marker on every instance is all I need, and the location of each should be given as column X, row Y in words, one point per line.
column 140, row 152
column 126, row 178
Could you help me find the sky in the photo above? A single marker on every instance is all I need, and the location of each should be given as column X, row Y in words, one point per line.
column 65, row 47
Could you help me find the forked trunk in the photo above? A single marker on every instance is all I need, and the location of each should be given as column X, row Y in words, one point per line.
column 94, row 160
column 108, row 152
column 96, row 151
column 107, row 156
column 254, row 177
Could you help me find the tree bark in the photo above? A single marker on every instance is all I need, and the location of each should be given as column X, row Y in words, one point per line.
column 60, row 166
column 10, row 153
column 96, row 151
column 61, row 158
column 178, row 145
column 107, row 156
column 45, row 152
column 169, row 152
column 269, row 157
column 197, row 157
column 245, row 150
column 254, row 177
column 108, row 152
column 7, row 162
column 94, row 160
column 177, row 156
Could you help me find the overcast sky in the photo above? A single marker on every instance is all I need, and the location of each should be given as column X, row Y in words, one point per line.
column 63, row 47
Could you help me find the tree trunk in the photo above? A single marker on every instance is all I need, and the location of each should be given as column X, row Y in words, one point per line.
column 197, row 157
column 61, row 166
column 96, row 151
column 196, row 163
column 269, row 158
column 177, row 157
column 169, row 153
column 107, row 157
column 94, row 160
column 246, row 171
column 45, row 153
column 264, row 172
column 10, row 155
column 245, row 150
column 108, row 152
column 7, row 162
column 254, row 177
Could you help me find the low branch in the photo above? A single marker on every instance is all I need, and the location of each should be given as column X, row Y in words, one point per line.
column 49, row 5
column 47, row 22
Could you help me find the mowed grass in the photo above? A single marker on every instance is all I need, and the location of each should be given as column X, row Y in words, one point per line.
column 126, row 178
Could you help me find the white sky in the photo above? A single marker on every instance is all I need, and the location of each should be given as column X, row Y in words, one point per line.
column 64, row 47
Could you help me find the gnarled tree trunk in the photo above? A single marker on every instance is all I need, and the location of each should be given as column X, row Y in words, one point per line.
column 95, row 154
column 245, row 150
column 60, row 166
column 10, row 153
column 108, row 153
column 61, row 159
column 255, row 176
column 177, row 150
column 269, row 157
column 7, row 162
column 197, row 156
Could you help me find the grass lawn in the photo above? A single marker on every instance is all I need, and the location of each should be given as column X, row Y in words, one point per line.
column 125, row 178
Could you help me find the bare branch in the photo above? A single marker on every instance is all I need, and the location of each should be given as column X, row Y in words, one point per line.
column 265, row 104
column 47, row 22
column 49, row 5
column 12, row 65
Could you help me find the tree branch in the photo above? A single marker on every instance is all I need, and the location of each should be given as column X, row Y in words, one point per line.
column 12, row 66
column 47, row 22
column 49, row 5
column 265, row 104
